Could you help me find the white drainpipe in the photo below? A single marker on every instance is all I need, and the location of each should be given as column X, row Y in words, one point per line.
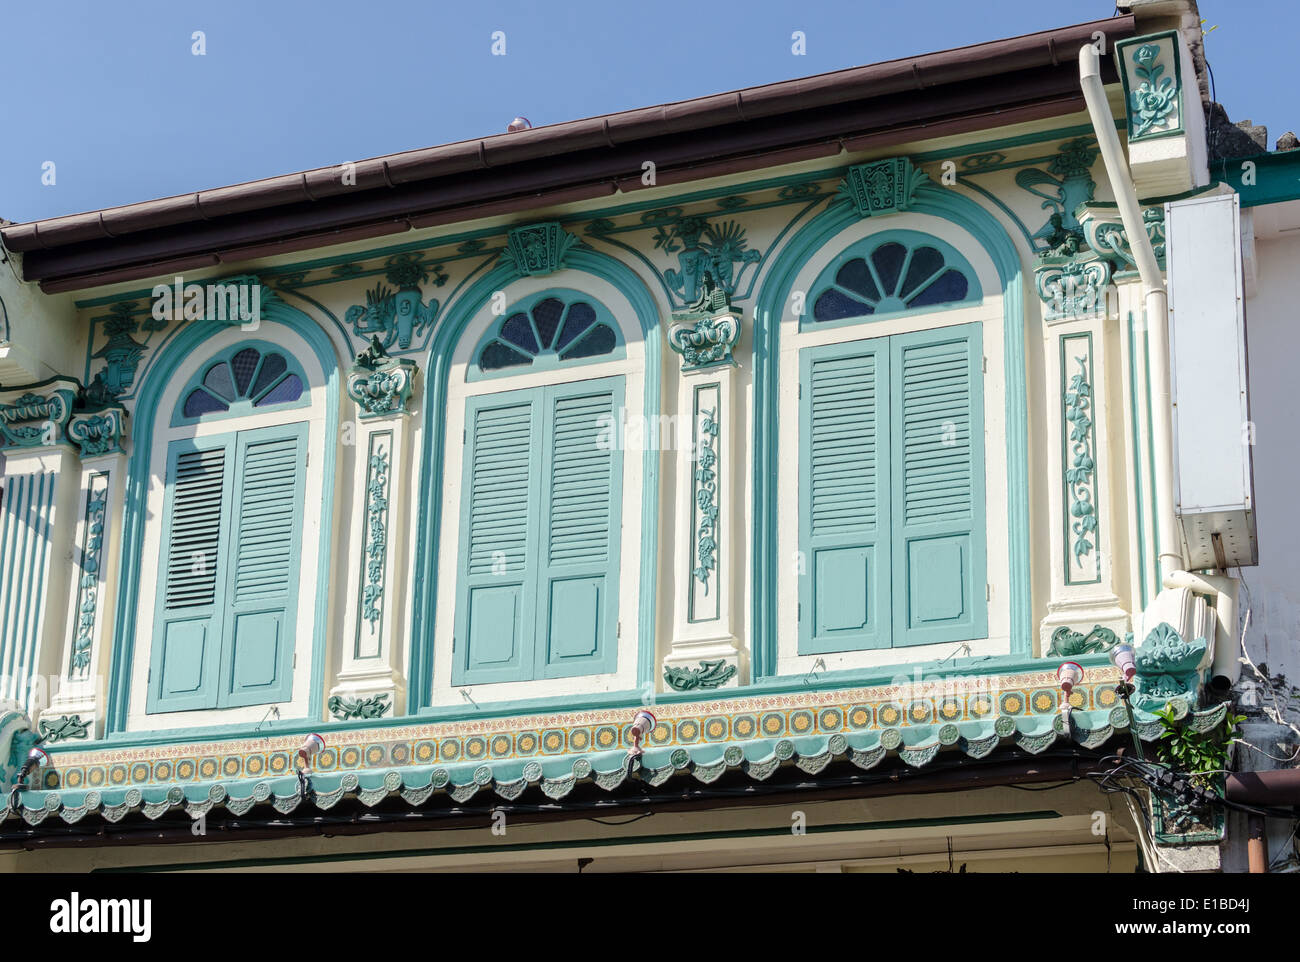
column 1155, row 298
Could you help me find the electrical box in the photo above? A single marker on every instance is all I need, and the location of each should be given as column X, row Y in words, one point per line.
column 1213, row 436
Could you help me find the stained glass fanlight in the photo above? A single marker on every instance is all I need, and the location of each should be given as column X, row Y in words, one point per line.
column 893, row 277
column 549, row 328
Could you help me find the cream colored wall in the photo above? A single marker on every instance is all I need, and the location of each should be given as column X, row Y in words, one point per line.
column 767, row 229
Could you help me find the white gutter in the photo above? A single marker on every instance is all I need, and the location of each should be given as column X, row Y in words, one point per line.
column 1155, row 298
column 1168, row 542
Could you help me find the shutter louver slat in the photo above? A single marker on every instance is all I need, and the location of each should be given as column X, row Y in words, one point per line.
column 498, row 497
column 195, row 530
column 265, row 543
column 843, row 492
column 938, row 525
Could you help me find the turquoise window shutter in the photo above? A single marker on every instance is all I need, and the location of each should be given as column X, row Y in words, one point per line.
column 844, row 484
column 500, row 493
column 187, row 629
column 232, row 533
column 579, row 556
column 937, row 427
column 262, row 586
column 539, row 544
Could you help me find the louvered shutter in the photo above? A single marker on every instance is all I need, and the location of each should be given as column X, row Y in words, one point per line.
column 187, row 630
column 265, row 546
column 499, row 494
column 579, row 547
column 938, row 484
column 844, row 498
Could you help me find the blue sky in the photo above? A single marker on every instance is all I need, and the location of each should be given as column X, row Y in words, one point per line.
column 111, row 93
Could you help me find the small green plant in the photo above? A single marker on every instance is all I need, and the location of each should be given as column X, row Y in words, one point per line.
column 1199, row 754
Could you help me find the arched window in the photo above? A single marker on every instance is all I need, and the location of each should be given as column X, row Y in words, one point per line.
column 891, row 273
column 545, row 331
column 231, row 542
column 252, row 376
column 540, row 547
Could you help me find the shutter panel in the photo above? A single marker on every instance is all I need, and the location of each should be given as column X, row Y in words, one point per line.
column 844, row 498
column 499, row 496
column 187, row 629
column 938, row 483
column 262, row 590
column 579, row 550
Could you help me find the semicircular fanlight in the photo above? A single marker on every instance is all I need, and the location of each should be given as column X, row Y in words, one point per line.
column 550, row 327
column 893, row 277
column 247, row 375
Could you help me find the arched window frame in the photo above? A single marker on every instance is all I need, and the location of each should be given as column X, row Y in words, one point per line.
column 864, row 249
column 627, row 296
column 961, row 224
column 547, row 358
column 187, row 351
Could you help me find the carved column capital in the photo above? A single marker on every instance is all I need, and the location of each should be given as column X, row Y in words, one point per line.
column 381, row 385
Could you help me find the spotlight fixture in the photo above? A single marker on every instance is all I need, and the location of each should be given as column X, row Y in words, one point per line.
column 518, row 124
column 36, row 758
column 642, row 724
column 1123, row 658
column 311, row 747
column 1069, row 674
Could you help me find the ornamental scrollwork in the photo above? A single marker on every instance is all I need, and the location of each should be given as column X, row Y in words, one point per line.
column 706, row 498
column 1156, row 97
column 539, row 249
column 706, row 333
column 88, row 587
column 62, row 728
column 345, row 709
column 376, row 536
column 399, row 315
column 1079, row 473
column 1067, row 643
column 38, row 418
column 97, row 432
column 710, row 674
column 381, row 385
column 882, row 186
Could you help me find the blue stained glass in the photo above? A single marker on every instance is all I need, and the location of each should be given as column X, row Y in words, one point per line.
column 951, row 285
column 925, row 263
column 518, row 331
column 580, row 317
column 244, row 363
column 546, row 315
column 218, row 381
column 599, row 340
column 200, row 402
column 833, row 305
column 498, row 355
column 290, row 389
column 272, row 367
column 888, row 259
column 856, row 276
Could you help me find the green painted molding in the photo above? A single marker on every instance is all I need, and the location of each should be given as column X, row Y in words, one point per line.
column 1067, row 643
column 538, row 249
column 399, row 315
column 99, row 431
column 36, row 415
column 882, row 186
column 374, row 550
column 1079, row 454
column 710, row 674
column 343, row 709
column 1264, row 178
column 1151, row 70
column 62, row 728
column 92, row 557
column 967, row 215
column 380, row 385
